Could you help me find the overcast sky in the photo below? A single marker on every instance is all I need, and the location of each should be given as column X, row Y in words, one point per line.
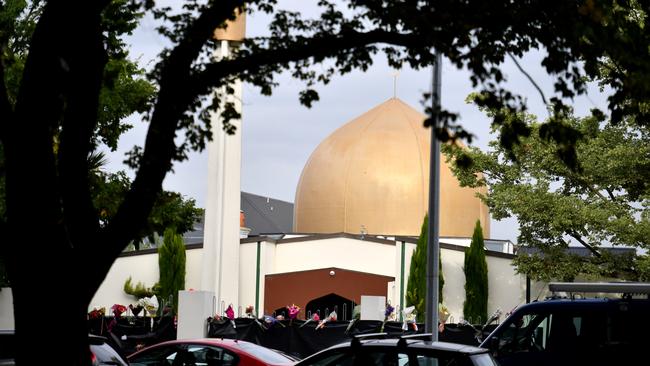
column 279, row 134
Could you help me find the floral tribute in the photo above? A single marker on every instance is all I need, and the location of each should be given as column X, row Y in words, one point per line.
column 230, row 314
column 330, row 318
column 118, row 310
column 388, row 315
column 150, row 304
column 409, row 319
column 314, row 318
column 97, row 313
column 293, row 312
column 250, row 311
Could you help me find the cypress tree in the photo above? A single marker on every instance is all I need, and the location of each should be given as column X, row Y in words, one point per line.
column 476, row 279
column 171, row 262
column 416, row 288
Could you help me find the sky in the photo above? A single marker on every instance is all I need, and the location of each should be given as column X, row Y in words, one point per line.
column 278, row 134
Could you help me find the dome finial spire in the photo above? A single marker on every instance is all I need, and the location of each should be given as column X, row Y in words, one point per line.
column 395, row 76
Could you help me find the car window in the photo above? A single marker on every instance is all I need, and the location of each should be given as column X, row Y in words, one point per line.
column 264, row 354
column 106, row 355
column 159, row 356
column 202, row 355
column 388, row 357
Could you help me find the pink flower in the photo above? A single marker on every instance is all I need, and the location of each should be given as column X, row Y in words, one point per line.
column 293, row 311
column 316, row 317
column 230, row 313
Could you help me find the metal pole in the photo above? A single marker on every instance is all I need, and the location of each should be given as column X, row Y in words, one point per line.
column 433, row 246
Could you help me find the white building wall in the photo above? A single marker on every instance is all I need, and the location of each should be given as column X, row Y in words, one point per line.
column 6, row 309
column 454, row 288
column 247, row 272
column 506, row 288
column 350, row 254
column 141, row 268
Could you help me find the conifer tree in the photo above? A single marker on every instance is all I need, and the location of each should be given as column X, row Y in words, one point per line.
column 476, row 279
column 417, row 283
column 171, row 262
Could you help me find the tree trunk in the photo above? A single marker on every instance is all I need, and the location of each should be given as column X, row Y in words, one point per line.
column 50, row 308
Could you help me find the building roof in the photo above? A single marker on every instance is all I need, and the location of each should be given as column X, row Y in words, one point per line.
column 372, row 175
column 264, row 215
column 581, row 251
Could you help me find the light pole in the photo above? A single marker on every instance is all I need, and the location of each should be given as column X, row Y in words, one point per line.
column 433, row 246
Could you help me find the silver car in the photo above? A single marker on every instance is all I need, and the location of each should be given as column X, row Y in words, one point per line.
column 400, row 352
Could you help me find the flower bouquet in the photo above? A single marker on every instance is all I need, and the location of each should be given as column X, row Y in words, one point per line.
column 443, row 315
column 97, row 313
column 250, row 311
column 269, row 320
column 388, row 315
column 150, row 305
column 314, row 318
column 118, row 310
column 293, row 312
column 330, row 318
column 356, row 315
column 230, row 314
column 409, row 317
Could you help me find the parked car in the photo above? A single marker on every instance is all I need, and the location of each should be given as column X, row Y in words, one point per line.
column 406, row 351
column 576, row 331
column 208, row 352
column 101, row 352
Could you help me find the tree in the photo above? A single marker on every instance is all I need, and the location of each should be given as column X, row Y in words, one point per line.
column 67, row 48
column 416, row 288
column 171, row 264
column 476, row 278
column 604, row 202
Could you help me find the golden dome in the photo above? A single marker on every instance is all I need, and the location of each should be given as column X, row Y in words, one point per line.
column 372, row 174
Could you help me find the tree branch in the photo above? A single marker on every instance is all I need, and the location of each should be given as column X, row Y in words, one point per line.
column 173, row 101
column 591, row 248
column 318, row 48
column 530, row 78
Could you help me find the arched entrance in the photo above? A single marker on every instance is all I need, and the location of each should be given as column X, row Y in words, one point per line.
column 324, row 305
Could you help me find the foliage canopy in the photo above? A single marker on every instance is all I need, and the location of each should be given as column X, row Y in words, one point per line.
column 603, row 203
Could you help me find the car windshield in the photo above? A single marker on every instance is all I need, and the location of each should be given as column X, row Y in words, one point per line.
column 264, row 354
column 390, row 357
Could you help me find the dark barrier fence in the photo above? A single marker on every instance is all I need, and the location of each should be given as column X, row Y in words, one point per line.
column 127, row 334
column 300, row 339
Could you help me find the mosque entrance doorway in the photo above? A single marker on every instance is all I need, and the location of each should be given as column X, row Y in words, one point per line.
column 324, row 305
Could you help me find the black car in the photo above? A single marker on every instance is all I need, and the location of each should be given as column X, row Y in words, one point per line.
column 576, row 331
column 102, row 352
column 406, row 351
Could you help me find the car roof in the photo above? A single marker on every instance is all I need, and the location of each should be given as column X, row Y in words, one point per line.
column 564, row 303
column 416, row 344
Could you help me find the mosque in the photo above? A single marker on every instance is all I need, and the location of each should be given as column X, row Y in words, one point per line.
column 358, row 211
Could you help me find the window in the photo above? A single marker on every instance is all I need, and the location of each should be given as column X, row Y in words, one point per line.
column 202, row 355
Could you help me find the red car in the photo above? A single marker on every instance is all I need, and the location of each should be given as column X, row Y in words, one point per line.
column 208, row 352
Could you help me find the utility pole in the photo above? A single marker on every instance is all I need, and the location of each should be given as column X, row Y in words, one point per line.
column 433, row 246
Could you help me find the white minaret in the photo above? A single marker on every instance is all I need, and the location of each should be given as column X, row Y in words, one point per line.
column 220, row 263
